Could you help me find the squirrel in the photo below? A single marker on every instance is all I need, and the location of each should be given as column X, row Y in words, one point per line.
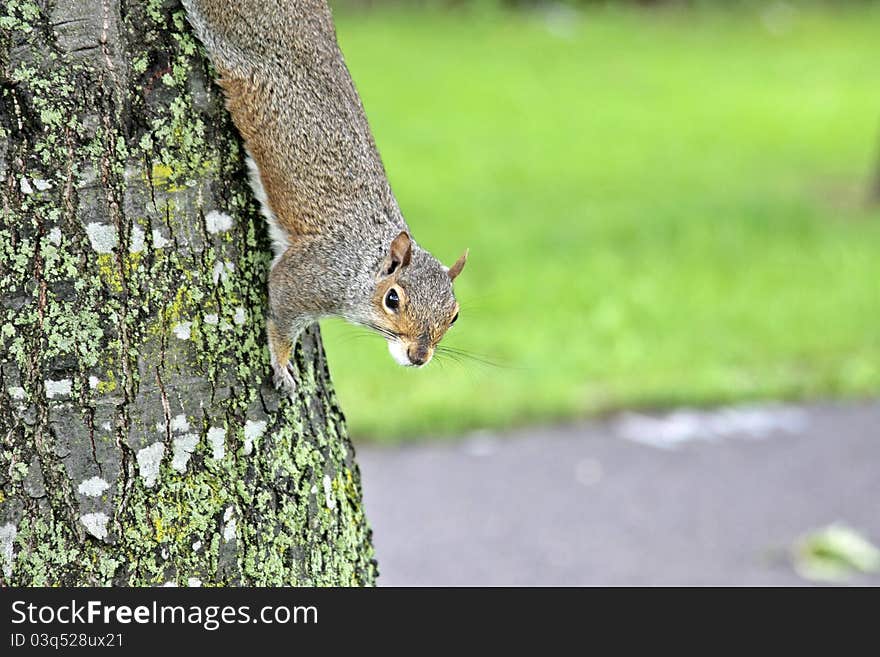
column 341, row 245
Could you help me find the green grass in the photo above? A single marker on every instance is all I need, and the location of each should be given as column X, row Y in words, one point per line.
column 662, row 207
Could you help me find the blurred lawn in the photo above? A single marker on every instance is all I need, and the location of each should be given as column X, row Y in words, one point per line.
column 663, row 207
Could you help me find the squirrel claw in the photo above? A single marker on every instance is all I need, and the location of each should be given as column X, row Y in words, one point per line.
column 283, row 378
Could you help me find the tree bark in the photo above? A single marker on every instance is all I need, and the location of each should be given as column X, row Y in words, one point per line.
column 142, row 443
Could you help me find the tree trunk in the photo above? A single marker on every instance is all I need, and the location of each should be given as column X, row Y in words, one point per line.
column 142, row 442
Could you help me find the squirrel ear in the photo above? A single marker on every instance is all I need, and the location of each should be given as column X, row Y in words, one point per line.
column 399, row 255
column 455, row 269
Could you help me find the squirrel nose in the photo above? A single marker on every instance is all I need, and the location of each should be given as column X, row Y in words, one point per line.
column 418, row 356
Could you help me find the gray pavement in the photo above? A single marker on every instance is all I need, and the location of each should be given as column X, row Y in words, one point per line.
column 683, row 498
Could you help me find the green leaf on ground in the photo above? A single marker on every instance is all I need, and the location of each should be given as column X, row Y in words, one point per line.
column 834, row 553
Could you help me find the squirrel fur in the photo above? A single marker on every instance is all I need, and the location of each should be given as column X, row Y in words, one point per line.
column 342, row 247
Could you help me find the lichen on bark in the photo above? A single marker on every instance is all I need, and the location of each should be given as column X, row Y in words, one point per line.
column 141, row 441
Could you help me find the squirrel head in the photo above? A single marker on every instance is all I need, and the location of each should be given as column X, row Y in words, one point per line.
column 413, row 304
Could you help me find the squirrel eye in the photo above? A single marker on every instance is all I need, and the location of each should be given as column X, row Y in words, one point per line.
column 392, row 301
column 454, row 319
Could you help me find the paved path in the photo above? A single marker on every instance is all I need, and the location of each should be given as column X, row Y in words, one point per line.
column 687, row 498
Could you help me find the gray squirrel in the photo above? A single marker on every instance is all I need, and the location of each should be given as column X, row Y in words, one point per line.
column 342, row 247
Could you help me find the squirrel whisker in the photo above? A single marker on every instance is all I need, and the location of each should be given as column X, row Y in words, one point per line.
column 460, row 355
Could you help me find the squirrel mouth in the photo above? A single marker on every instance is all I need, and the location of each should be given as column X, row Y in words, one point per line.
column 401, row 354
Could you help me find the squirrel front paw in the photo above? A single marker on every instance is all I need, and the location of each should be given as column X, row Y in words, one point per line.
column 283, row 377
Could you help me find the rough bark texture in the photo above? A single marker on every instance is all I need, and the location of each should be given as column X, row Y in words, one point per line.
column 141, row 442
